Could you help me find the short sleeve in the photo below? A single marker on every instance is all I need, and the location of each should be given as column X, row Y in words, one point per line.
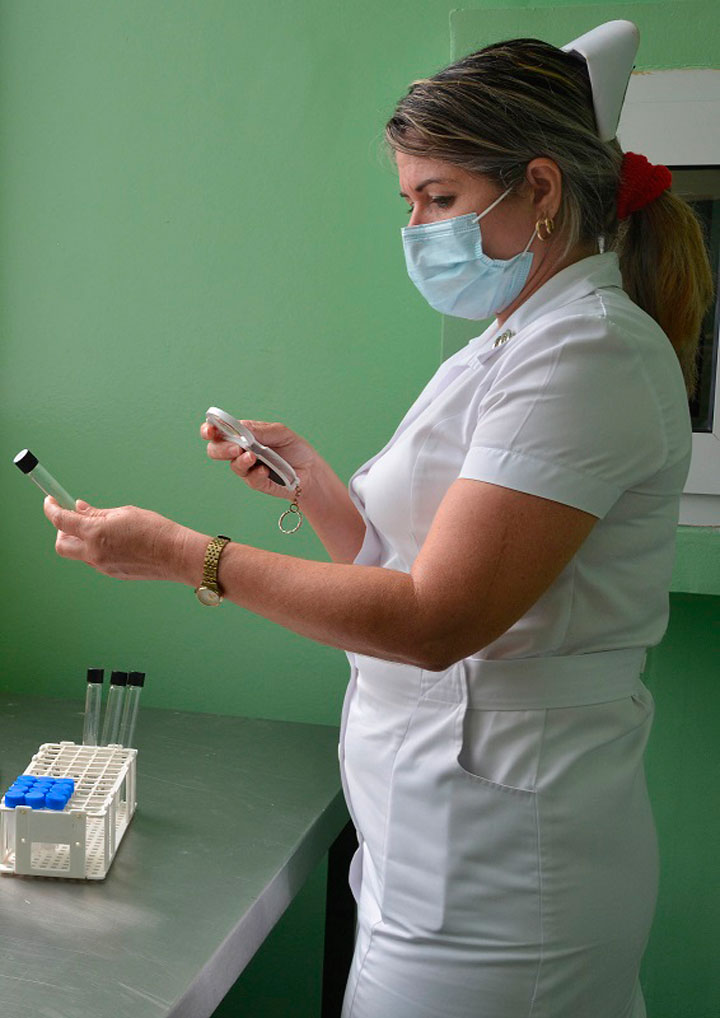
column 570, row 416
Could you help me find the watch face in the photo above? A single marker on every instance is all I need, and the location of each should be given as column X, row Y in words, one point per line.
column 208, row 596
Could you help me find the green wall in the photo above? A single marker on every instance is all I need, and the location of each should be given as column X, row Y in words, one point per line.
column 680, row 974
column 193, row 211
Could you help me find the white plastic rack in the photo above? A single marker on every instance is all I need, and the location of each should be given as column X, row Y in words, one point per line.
column 81, row 840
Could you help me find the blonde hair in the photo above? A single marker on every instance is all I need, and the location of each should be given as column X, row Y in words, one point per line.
column 495, row 110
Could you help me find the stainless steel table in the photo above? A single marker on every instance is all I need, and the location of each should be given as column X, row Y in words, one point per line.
column 233, row 815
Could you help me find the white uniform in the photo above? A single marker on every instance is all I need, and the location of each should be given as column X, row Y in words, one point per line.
column 507, row 865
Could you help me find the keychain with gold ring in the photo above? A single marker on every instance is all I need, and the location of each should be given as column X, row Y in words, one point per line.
column 292, row 510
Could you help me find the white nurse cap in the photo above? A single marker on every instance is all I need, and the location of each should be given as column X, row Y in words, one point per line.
column 609, row 52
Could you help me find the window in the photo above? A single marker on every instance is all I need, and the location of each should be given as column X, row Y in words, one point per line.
column 673, row 117
column 700, row 186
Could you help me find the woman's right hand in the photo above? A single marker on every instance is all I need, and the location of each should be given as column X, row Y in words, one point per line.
column 324, row 501
column 295, row 450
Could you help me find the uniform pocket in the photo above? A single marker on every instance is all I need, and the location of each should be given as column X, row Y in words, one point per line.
column 461, row 855
column 501, row 748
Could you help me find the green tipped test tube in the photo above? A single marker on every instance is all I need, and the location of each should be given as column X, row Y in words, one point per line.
column 31, row 466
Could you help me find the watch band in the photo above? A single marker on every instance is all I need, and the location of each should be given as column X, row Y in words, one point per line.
column 210, row 565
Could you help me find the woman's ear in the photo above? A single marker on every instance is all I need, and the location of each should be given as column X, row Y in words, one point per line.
column 544, row 178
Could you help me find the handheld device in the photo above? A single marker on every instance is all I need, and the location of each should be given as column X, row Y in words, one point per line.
column 280, row 470
column 30, row 466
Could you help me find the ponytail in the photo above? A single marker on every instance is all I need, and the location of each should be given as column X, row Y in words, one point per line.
column 666, row 271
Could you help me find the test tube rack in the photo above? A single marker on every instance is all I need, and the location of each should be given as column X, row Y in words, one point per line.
column 81, row 841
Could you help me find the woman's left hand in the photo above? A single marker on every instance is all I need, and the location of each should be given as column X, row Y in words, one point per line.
column 127, row 543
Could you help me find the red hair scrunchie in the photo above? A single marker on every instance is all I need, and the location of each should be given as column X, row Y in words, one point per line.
column 640, row 183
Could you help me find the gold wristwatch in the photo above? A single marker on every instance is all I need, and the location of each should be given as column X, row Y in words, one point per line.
column 209, row 592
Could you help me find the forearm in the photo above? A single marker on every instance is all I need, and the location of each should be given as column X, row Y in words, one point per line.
column 365, row 609
column 332, row 515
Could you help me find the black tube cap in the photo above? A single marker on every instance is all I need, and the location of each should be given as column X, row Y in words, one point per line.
column 119, row 679
column 26, row 461
column 136, row 678
column 95, row 675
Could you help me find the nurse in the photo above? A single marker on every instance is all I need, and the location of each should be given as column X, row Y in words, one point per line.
column 500, row 567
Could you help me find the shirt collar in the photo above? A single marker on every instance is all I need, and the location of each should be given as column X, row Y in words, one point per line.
column 569, row 284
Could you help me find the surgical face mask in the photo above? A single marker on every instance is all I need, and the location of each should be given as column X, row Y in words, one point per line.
column 446, row 263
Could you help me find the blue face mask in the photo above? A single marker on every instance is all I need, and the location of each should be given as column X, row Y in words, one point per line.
column 446, row 263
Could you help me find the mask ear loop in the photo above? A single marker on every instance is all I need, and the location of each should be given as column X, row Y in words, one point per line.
column 546, row 222
column 497, row 201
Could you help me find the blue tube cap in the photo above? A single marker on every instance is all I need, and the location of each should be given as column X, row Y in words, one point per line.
column 14, row 797
column 56, row 800
column 35, row 799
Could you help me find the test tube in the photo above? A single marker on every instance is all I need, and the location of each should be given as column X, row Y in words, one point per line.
column 31, row 466
column 93, row 699
column 136, row 681
column 113, row 708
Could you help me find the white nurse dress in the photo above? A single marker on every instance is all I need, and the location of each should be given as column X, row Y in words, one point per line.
column 507, row 861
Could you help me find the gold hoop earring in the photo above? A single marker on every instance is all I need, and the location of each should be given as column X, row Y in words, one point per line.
column 547, row 224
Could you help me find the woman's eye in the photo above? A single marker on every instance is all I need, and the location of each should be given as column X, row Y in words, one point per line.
column 442, row 201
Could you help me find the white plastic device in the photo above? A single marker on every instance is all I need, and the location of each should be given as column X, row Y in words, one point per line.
column 280, row 470
column 81, row 840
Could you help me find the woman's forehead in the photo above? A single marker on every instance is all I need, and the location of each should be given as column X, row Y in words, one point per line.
column 416, row 172
column 412, row 170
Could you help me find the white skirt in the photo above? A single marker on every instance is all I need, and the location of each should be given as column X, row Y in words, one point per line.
column 507, row 862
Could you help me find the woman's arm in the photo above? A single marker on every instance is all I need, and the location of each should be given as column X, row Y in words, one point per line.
column 332, row 514
column 490, row 554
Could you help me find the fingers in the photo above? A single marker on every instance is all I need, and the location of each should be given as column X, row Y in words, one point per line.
column 212, row 434
column 256, row 474
column 223, row 450
column 69, row 524
column 240, row 460
column 243, row 463
column 208, row 431
column 63, row 519
column 265, row 431
column 219, row 448
column 69, row 547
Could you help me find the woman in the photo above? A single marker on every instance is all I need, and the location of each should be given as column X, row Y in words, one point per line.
column 500, row 567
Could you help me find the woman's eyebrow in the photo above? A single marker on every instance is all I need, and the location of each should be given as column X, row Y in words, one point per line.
column 431, row 180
